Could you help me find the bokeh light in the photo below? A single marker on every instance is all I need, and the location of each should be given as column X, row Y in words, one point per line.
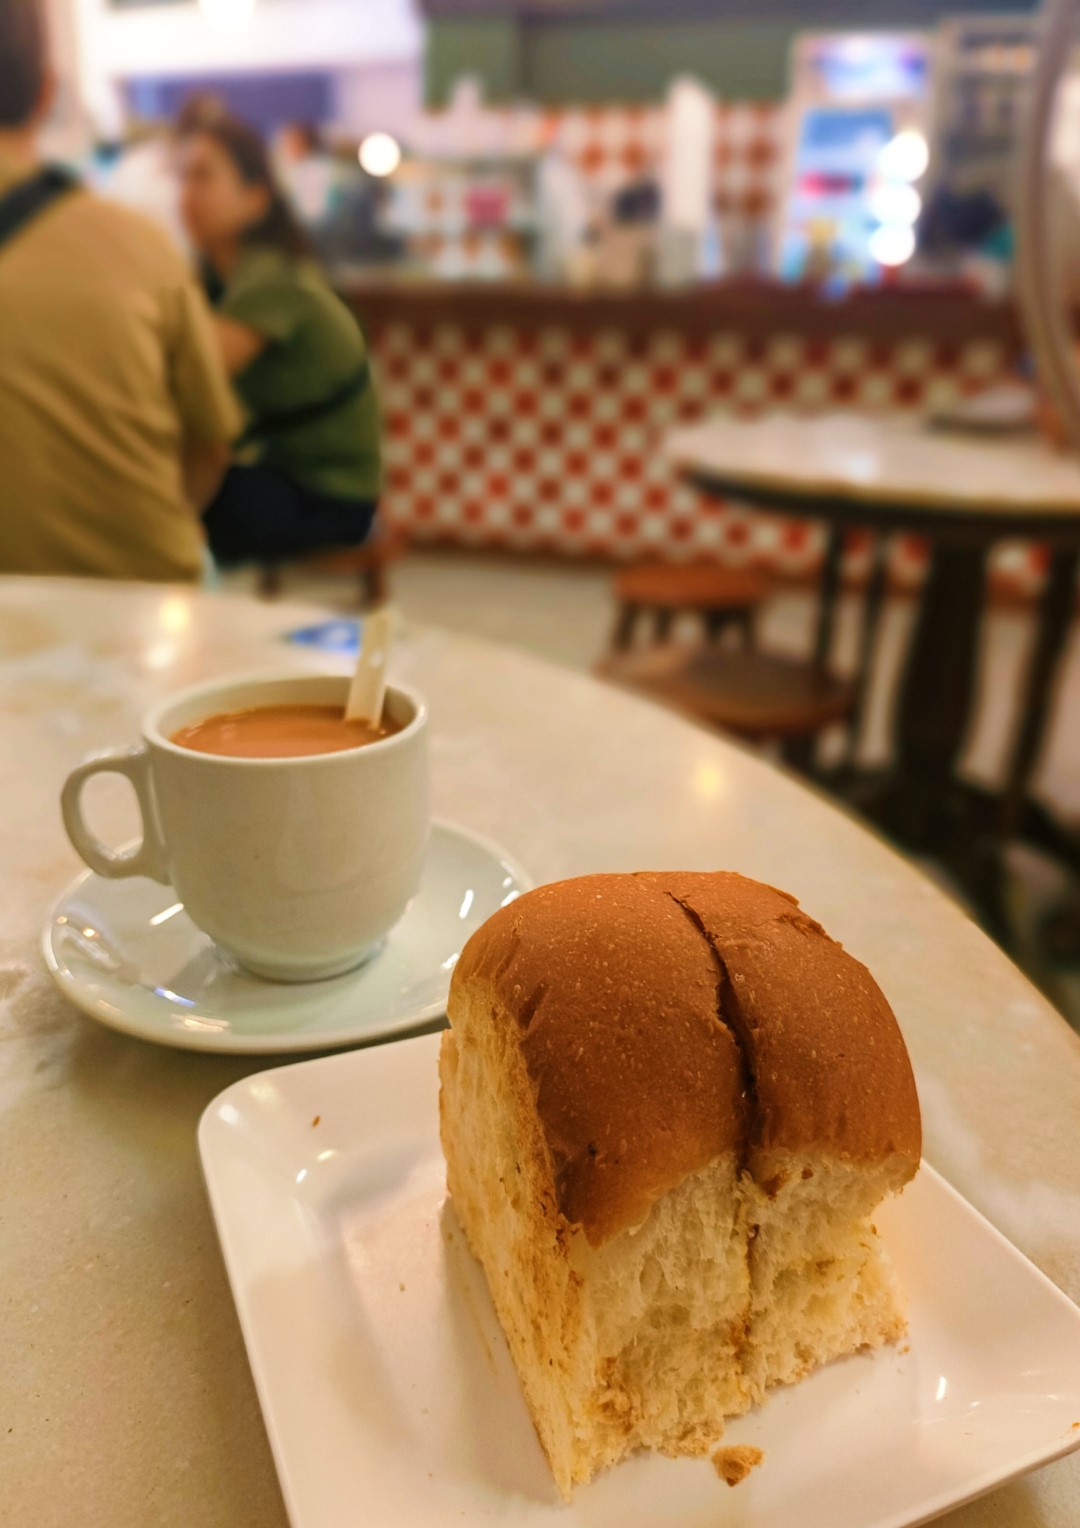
column 380, row 155
column 905, row 157
column 895, row 202
column 893, row 244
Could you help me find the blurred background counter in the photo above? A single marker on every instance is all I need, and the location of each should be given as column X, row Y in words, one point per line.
column 567, row 229
column 530, row 417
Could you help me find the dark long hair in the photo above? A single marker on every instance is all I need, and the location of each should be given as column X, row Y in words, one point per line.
column 280, row 227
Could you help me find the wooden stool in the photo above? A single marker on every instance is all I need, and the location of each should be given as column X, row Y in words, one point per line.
column 758, row 696
column 368, row 563
column 722, row 597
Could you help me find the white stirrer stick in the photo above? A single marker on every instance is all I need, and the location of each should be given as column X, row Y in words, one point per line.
column 368, row 691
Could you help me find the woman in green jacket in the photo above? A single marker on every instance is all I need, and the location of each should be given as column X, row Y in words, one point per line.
column 308, row 472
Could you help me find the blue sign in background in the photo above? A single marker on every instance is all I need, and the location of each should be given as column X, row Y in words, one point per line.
column 330, row 636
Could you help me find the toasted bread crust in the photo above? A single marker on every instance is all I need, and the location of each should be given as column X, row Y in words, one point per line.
column 667, row 1018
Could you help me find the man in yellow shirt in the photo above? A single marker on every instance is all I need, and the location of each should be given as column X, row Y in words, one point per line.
column 115, row 411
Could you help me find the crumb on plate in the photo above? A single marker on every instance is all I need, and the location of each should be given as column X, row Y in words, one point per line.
column 734, row 1464
column 315, row 1121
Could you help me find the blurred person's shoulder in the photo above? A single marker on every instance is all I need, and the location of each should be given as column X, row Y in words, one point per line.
column 135, row 246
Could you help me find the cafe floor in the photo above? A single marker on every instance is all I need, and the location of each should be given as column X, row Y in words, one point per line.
column 564, row 614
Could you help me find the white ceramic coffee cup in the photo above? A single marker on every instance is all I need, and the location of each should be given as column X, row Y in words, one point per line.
column 299, row 866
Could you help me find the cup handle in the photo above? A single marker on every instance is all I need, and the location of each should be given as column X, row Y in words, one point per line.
column 149, row 858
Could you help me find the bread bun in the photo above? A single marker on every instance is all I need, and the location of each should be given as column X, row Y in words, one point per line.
column 669, row 1102
column 611, row 994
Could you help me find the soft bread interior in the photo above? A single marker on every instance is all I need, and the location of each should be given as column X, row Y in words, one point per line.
column 821, row 1283
column 664, row 1316
column 656, row 1336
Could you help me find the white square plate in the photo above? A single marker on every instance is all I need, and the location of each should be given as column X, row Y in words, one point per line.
column 391, row 1400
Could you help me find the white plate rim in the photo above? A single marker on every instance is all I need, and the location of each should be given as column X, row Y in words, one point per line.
column 944, row 1502
column 228, row 1042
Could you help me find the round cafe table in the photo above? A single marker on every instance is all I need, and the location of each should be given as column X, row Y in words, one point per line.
column 964, row 493
column 125, row 1395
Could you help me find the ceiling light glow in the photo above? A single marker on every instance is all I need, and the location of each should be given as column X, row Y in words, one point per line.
column 228, row 15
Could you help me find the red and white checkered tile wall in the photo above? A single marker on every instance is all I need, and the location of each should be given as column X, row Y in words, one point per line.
column 502, row 437
column 550, row 441
column 613, row 144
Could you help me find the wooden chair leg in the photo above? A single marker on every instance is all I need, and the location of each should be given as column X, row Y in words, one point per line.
column 799, row 753
column 622, row 639
column 830, row 590
column 665, row 620
column 873, row 608
column 747, row 629
column 1055, row 618
column 716, row 623
column 1059, row 931
column 376, row 583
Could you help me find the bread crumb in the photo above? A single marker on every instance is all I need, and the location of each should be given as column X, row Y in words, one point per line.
column 905, row 1349
column 315, row 1121
column 402, row 1288
column 734, row 1464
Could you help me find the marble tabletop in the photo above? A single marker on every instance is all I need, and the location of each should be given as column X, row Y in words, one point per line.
column 880, row 461
column 125, row 1395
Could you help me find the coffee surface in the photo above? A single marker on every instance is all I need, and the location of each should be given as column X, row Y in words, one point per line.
column 279, row 732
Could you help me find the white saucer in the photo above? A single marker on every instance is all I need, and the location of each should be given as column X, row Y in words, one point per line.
column 126, row 953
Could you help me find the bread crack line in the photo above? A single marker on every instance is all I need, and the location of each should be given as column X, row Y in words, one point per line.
column 727, row 1009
